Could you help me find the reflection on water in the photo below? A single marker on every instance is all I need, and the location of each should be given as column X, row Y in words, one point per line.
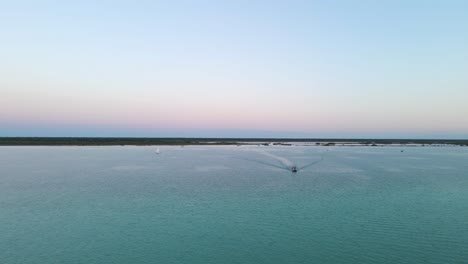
column 201, row 205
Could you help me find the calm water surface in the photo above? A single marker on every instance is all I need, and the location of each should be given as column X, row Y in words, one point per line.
column 233, row 205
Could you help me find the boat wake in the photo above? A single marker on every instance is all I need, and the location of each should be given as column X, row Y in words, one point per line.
column 263, row 163
column 284, row 163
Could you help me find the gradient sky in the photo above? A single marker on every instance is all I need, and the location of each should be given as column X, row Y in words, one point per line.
column 234, row 68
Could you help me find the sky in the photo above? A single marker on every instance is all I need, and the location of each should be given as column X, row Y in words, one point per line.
column 378, row 69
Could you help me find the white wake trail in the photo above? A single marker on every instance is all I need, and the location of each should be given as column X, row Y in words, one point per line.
column 283, row 160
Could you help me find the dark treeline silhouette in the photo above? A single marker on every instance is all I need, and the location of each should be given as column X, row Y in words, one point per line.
column 111, row 141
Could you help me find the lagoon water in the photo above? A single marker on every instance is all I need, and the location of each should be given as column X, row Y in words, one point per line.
column 229, row 204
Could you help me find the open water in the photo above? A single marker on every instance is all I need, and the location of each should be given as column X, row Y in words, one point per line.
column 233, row 204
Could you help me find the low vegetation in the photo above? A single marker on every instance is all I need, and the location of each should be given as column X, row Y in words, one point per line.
column 101, row 141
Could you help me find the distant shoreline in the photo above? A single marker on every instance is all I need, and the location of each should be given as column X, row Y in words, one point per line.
column 125, row 141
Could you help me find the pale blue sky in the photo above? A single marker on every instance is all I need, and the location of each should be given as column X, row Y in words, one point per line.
column 234, row 68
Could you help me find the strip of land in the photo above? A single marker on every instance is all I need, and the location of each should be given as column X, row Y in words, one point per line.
column 114, row 141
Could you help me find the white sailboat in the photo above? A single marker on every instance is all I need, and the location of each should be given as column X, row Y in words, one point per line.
column 157, row 151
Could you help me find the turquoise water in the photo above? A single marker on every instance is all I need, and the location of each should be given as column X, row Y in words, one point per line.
column 230, row 205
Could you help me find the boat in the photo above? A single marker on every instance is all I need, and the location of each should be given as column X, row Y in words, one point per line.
column 294, row 169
